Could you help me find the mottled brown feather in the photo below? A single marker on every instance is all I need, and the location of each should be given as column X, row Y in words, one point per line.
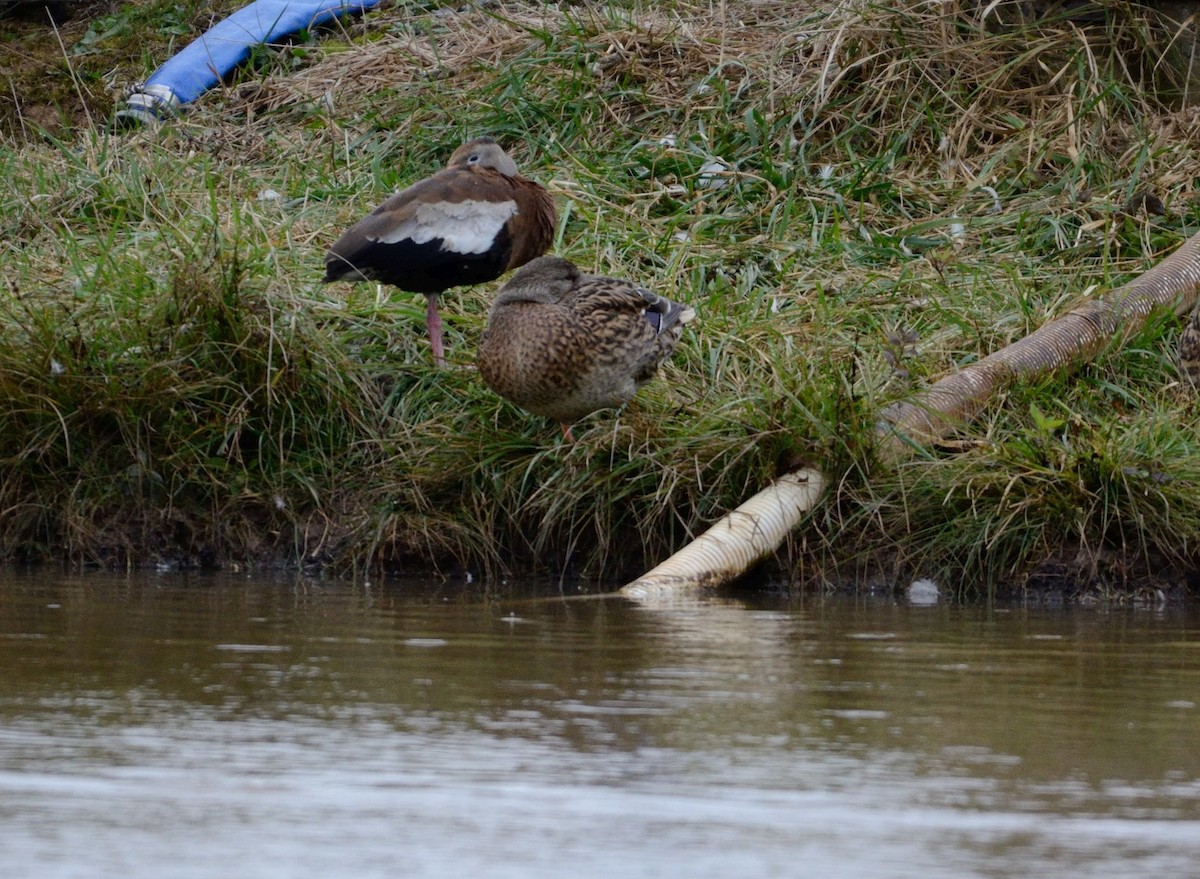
column 563, row 344
column 1189, row 350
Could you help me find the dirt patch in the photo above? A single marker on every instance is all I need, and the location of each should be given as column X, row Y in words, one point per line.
column 59, row 72
column 46, row 85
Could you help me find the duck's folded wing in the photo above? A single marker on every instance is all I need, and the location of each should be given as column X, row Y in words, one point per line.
column 460, row 209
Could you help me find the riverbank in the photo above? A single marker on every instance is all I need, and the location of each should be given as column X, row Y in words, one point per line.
column 855, row 201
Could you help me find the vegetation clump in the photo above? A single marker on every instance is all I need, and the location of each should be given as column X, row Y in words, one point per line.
column 855, row 199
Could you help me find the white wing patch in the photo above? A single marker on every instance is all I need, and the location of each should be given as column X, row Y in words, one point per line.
column 464, row 226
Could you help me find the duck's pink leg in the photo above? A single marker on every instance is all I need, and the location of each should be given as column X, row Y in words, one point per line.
column 433, row 321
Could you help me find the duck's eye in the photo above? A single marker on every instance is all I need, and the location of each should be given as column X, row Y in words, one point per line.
column 474, row 158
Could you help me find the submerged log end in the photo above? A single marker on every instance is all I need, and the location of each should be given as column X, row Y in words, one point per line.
column 734, row 543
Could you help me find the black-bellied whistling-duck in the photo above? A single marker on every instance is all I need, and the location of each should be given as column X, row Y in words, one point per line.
column 470, row 222
column 563, row 344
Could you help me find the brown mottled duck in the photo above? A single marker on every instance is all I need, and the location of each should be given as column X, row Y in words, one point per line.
column 1189, row 350
column 564, row 344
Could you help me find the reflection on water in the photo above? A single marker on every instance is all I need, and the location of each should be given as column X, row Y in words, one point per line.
column 208, row 727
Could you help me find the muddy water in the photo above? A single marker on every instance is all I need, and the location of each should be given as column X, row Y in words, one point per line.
column 178, row 726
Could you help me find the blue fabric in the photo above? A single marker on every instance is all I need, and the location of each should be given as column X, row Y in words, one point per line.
column 202, row 63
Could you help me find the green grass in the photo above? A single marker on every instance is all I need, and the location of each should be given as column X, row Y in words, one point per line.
column 906, row 191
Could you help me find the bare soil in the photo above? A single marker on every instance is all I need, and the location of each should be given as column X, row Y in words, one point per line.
column 60, row 72
column 45, row 85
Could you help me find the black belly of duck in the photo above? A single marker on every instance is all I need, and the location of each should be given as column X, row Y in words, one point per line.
column 422, row 268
